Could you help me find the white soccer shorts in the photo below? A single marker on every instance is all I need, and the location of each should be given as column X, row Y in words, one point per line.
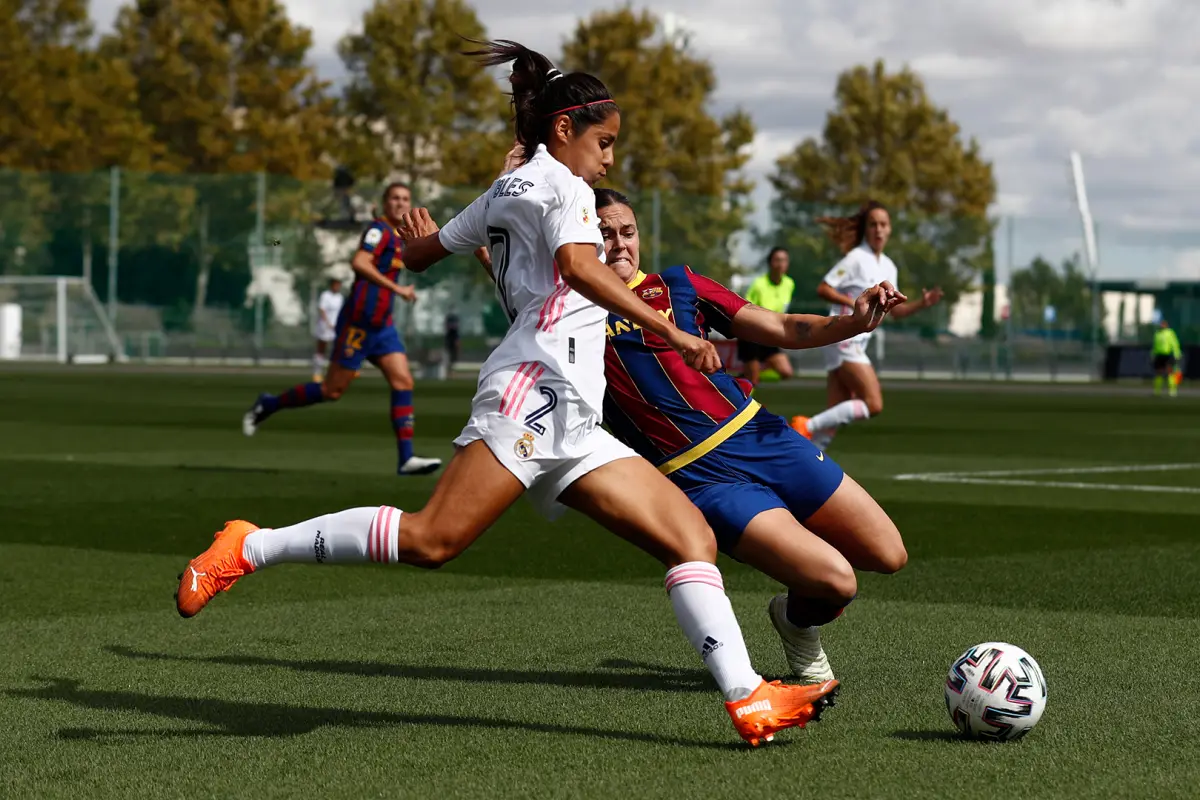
column 850, row 351
column 325, row 333
column 535, row 424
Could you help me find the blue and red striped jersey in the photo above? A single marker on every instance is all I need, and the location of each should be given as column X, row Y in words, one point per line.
column 370, row 306
column 656, row 403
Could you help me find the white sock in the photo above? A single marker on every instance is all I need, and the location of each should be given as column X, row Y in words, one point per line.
column 319, row 363
column 842, row 414
column 698, row 597
column 368, row 533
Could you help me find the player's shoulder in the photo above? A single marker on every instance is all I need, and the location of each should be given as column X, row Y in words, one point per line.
column 376, row 231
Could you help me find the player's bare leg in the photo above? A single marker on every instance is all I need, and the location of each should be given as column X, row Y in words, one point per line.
column 634, row 501
column 853, row 393
column 853, row 523
column 337, row 380
column 820, row 584
column 751, row 371
column 320, row 361
column 395, row 369
column 781, row 364
column 472, row 494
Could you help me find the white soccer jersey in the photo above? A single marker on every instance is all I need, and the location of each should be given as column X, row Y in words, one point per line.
column 523, row 219
column 858, row 271
column 330, row 304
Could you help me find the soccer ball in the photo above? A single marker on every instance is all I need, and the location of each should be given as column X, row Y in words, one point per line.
column 995, row 691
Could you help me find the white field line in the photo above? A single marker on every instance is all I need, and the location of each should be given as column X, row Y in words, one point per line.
column 1008, row 477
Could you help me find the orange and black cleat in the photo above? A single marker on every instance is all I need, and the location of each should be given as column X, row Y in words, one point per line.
column 776, row 706
column 215, row 570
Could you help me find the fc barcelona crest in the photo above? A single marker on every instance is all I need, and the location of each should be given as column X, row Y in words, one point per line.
column 652, row 292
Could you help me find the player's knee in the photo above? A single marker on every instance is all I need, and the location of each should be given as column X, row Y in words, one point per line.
column 838, row 583
column 401, row 381
column 332, row 392
column 430, row 544
column 890, row 559
column 785, row 369
column 692, row 541
column 875, row 406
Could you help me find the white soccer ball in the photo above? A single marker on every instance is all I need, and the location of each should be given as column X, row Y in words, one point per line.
column 995, row 691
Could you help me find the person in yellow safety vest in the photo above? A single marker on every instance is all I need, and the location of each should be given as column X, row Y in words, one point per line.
column 1166, row 355
column 773, row 292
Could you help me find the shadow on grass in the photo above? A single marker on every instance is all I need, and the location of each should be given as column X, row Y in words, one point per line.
column 931, row 736
column 647, row 677
column 240, row 718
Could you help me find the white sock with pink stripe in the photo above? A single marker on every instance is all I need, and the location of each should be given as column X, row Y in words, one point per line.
column 698, row 597
column 368, row 533
column 842, row 414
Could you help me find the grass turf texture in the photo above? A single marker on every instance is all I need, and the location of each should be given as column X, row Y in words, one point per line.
column 545, row 661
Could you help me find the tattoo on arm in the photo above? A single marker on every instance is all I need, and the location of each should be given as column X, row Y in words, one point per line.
column 804, row 329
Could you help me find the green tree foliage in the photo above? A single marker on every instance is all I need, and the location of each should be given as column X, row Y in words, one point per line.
column 669, row 142
column 414, row 105
column 1066, row 288
column 886, row 140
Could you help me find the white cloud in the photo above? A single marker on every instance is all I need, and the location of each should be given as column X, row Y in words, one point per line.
column 1030, row 79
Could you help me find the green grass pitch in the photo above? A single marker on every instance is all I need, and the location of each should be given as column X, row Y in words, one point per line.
column 545, row 662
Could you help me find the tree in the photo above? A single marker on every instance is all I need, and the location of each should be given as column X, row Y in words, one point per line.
column 226, row 89
column 1067, row 289
column 414, row 104
column 885, row 139
column 670, row 143
column 65, row 107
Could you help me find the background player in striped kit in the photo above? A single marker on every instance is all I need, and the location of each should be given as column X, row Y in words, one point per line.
column 852, row 387
column 773, row 500
column 366, row 331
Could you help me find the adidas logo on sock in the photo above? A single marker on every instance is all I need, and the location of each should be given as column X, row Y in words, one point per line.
column 709, row 646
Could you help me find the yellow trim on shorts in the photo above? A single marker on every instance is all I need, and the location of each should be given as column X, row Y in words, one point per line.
column 705, row 447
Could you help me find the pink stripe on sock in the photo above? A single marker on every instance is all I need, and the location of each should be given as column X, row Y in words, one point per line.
column 386, row 536
column 694, row 573
column 371, row 536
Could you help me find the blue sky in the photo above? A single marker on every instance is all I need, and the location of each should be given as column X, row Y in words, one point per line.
column 1031, row 79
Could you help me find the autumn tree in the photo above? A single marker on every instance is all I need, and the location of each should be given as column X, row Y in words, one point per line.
column 414, row 105
column 670, row 143
column 228, row 92
column 65, row 111
column 886, row 140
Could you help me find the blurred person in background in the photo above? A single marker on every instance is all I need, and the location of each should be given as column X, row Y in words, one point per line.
column 451, row 339
column 852, row 386
column 366, row 331
column 773, row 292
column 1167, row 354
column 329, row 305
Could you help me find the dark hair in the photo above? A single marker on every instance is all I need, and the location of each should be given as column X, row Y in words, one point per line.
column 540, row 93
column 395, row 185
column 848, row 232
column 611, row 197
column 774, row 250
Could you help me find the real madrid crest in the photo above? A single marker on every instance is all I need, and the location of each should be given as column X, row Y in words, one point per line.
column 524, row 446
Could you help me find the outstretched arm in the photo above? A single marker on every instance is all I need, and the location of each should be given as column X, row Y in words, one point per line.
column 801, row 331
column 826, row 292
column 929, row 297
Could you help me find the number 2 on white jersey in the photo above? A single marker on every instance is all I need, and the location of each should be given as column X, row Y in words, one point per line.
column 498, row 247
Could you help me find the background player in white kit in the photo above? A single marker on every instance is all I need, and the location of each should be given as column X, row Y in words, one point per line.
column 535, row 419
column 852, row 386
column 329, row 305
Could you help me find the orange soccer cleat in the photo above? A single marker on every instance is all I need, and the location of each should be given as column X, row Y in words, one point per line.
column 800, row 426
column 215, row 570
column 775, row 706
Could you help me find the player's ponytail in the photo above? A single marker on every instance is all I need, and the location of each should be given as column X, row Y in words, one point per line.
column 541, row 93
column 848, row 232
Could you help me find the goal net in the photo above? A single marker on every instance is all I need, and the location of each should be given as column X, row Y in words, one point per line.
column 51, row 318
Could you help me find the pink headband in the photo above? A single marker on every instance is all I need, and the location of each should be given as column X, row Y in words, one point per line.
column 576, row 108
